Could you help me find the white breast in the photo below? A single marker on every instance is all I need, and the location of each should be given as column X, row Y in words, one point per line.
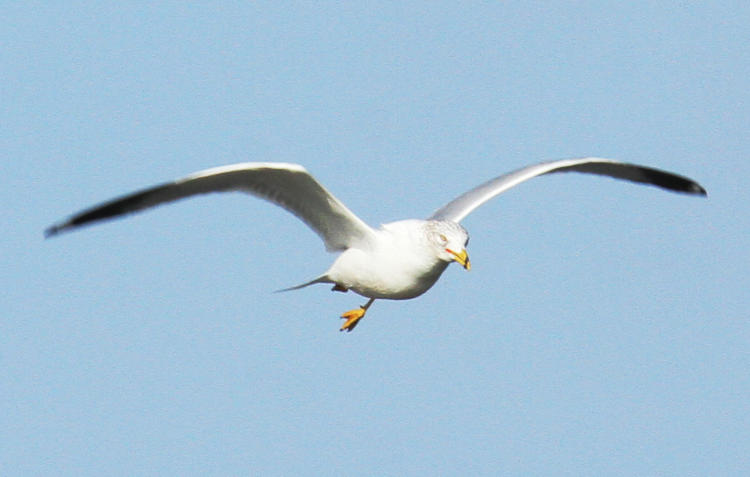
column 400, row 265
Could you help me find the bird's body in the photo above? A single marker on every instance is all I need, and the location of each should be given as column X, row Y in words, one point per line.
column 400, row 265
column 398, row 261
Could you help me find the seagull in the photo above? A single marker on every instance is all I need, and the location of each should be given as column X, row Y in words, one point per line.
column 398, row 261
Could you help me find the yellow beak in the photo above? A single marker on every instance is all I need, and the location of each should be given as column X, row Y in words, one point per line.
column 462, row 258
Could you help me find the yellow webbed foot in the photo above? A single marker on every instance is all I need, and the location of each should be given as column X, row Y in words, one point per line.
column 352, row 317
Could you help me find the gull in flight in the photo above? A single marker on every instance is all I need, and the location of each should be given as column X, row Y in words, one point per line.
column 399, row 260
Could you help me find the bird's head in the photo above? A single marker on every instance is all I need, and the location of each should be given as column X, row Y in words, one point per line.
column 450, row 240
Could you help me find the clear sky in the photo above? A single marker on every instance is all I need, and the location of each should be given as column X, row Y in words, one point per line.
column 603, row 329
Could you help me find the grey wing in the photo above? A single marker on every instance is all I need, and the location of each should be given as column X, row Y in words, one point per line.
column 459, row 208
column 287, row 185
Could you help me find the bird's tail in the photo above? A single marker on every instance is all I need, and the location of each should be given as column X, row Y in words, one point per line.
column 321, row 279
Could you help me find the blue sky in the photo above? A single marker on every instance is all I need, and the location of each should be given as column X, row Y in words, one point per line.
column 603, row 329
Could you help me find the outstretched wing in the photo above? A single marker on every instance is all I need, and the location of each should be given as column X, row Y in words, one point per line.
column 287, row 185
column 457, row 209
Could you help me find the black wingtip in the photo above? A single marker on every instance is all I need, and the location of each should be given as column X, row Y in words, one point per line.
column 675, row 182
column 53, row 230
column 699, row 190
column 692, row 188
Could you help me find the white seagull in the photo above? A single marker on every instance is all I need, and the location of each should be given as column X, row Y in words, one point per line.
column 398, row 261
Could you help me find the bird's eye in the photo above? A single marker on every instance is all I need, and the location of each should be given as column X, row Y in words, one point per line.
column 443, row 238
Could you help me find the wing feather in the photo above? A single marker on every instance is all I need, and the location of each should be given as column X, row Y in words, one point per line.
column 460, row 207
column 287, row 185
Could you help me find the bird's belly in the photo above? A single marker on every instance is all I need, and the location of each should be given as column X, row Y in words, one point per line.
column 392, row 291
column 384, row 278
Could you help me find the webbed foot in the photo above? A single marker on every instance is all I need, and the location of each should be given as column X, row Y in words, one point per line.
column 352, row 317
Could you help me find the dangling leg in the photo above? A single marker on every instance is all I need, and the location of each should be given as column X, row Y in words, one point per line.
column 352, row 317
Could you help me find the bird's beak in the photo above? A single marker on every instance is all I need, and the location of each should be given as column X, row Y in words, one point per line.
column 461, row 257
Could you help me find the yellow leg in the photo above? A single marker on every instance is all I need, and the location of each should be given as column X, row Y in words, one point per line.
column 352, row 317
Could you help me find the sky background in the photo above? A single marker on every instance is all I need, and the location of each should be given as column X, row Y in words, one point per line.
column 603, row 329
